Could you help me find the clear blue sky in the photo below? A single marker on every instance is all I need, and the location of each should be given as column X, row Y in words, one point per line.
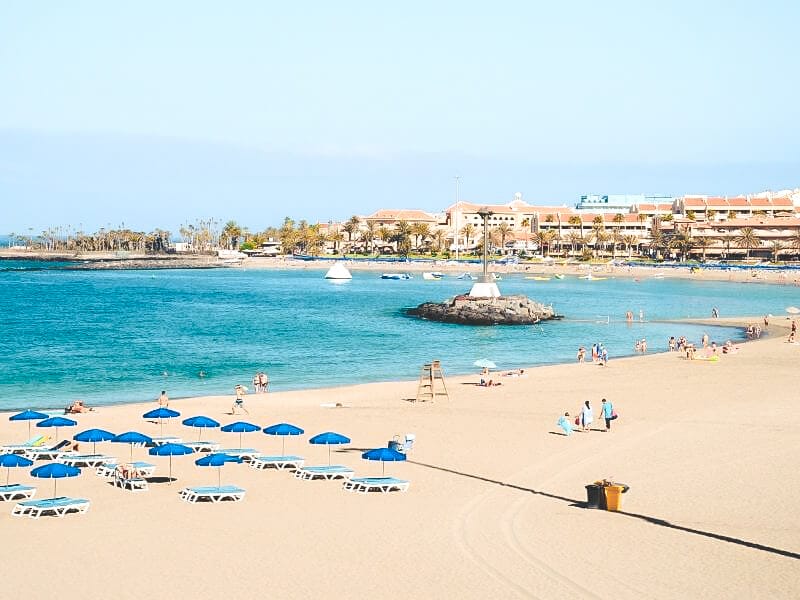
column 155, row 113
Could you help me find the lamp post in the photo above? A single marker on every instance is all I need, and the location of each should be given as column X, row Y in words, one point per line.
column 484, row 213
column 455, row 237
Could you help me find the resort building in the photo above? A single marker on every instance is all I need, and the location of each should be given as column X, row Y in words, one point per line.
column 619, row 202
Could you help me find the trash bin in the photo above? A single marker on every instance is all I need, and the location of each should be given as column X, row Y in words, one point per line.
column 613, row 494
column 594, row 494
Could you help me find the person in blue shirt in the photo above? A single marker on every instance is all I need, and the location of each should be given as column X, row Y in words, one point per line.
column 608, row 413
column 565, row 424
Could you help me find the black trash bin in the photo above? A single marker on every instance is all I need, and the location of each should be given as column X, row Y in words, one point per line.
column 595, row 498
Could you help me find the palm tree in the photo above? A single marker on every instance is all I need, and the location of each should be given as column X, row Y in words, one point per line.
column 336, row 237
column 420, row 231
column 794, row 241
column 710, row 213
column 468, row 231
column 747, row 239
column 402, row 237
column 544, row 239
column 656, row 240
column 682, row 241
column 704, row 243
column 731, row 214
column 439, row 239
column 600, row 238
column 630, row 241
column 690, row 214
column 369, row 234
column 776, row 247
column 351, row 227
column 504, row 231
column 574, row 240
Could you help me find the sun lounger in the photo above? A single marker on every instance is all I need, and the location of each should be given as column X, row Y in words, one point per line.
column 324, row 472
column 34, row 442
column 145, row 469
column 58, row 507
column 277, row 462
column 166, row 439
column 16, row 491
column 86, row 460
column 134, row 484
column 376, row 484
column 202, row 446
column 246, row 454
column 212, row 494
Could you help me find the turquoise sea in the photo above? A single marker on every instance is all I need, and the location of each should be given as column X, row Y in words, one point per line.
column 123, row 336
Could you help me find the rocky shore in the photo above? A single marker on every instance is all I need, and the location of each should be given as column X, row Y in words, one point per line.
column 504, row 310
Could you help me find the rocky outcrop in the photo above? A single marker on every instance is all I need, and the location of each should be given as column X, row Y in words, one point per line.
column 505, row 310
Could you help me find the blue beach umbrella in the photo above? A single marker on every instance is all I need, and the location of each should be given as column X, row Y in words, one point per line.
column 384, row 455
column 240, row 427
column 170, row 450
column 329, row 438
column 54, row 471
column 161, row 413
column 57, row 422
column 11, row 461
column 94, row 436
column 200, row 422
column 132, row 438
column 28, row 415
column 217, row 459
column 283, row 429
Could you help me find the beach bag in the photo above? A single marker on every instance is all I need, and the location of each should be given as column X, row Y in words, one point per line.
column 614, row 415
column 577, row 420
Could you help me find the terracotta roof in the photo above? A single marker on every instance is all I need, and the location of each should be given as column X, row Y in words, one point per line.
column 687, row 202
column 389, row 214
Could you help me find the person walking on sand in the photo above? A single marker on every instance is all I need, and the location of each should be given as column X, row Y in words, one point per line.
column 239, row 401
column 587, row 415
column 163, row 399
column 608, row 413
column 564, row 424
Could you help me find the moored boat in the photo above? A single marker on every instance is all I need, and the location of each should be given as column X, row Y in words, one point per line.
column 432, row 275
column 395, row 276
column 338, row 271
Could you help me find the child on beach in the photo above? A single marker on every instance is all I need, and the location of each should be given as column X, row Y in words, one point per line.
column 564, row 423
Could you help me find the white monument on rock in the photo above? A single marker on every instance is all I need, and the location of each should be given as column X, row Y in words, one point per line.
column 485, row 287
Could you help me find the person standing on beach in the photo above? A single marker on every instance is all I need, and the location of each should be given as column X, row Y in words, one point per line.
column 581, row 354
column 565, row 425
column 705, row 340
column 608, row 413
column 603, row 355
column 587, row 415
column 263, row 381
column 240, row 391
column 163, row 399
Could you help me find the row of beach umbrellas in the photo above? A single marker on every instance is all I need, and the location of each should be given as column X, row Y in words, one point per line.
column 58, row 470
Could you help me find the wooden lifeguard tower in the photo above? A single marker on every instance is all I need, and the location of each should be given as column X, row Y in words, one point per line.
column 431, row 383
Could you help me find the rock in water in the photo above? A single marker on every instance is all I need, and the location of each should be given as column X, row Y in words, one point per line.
column 505, row 310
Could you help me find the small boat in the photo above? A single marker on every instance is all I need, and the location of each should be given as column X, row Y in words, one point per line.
column 432, row 275
column 591, row 277
column 559, row 276
column 658, row 276
column 467, row 276
column 538, row 278
column 395, row 276
column 338, row 271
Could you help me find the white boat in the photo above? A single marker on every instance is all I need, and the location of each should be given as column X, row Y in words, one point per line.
column 395, row 276
column 432, row 275
column 338, row 271
column 467, row 276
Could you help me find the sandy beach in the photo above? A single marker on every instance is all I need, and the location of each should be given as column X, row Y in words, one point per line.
column 495, row 505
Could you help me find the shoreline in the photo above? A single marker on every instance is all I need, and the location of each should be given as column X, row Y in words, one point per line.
column 787, row 275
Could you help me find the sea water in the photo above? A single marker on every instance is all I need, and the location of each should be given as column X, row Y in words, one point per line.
column 122, row 336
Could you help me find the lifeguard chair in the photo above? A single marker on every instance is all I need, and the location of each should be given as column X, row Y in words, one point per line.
column 431, row 382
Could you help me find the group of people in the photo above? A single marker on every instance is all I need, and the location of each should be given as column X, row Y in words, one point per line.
column 261, row 382
column 641, row 346
column 77, row 407
column 599, row 354
column 585, row 417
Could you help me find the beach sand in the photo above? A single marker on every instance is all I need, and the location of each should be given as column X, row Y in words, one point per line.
column 495, row 504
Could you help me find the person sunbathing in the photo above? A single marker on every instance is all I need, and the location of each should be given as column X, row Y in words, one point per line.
column 77, row 407
column 489, row 383
column 127, row 471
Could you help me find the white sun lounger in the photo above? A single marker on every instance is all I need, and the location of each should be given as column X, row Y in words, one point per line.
column 15, row 491
column 134, row 484
column 58, row 507
column 166, row 439
column 86, row 460
column 246, row 454
column 277, row 462
column 324, row 472
column 44, row 454
column 144, row 468
column 376, row 484
column 212, row 494
column 34, row 442
column 202, row 446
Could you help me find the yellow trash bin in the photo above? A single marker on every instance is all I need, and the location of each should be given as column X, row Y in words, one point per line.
column 614, row 496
